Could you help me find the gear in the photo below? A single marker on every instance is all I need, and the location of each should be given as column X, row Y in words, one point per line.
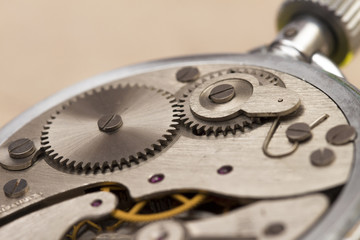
column 203, row 126
column 111, row 127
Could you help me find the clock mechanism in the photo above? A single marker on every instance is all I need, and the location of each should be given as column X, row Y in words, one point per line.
column 260, row 145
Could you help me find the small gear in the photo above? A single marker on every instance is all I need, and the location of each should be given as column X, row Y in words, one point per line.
column 111, row 127
column 203, row 126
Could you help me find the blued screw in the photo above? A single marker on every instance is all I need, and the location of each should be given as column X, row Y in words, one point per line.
column 16, row 188
column 341, row 134
column 322, row 157
column 187, row 74
column 110, row 123
column 222, row 93
column 21, row 148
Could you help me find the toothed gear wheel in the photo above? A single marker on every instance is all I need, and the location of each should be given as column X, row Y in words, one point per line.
column 141, row 121
column 239, row 123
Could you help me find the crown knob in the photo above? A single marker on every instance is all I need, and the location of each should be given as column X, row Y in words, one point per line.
column 340, row 17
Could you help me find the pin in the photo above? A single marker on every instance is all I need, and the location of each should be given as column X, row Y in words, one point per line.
column 298, row 133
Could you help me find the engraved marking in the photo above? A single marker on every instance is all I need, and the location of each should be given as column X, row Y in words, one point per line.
column 20, row 202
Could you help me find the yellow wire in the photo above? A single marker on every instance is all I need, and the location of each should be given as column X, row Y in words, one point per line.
column 180, row 198
column 131, row 217
column 135, row 209
column 77, row 227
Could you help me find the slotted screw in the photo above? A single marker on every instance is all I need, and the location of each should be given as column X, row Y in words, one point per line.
column 222, row 93
column 300, row 132
column 16, row 188
column 341, row 134
column 187, row 74
column 21, row 148
column 110, row 123
column 322, row 157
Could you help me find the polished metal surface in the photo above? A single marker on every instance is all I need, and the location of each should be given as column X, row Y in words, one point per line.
column 200, row 125
column 288, row 170
column 266, row 61
column 340, row 18
column 308, row 36
column 48, row 224
column 73, row 137
column 250, row 99
column 254, row 221
column 167, row 230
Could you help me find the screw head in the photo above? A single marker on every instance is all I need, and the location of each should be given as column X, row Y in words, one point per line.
column 298, row 132
column 341, row 134
column 274, row 229
column 110, row 123
column 322, row 157
column 16, row 188
column 21, row 148
column 187, row 74
column 225, row 169
column 222, row 93
column 156, row 178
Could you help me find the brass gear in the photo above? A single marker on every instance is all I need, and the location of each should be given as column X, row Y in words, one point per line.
column 78, row 137
column 239, row 123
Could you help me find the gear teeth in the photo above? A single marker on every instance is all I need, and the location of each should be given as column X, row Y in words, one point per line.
column 63, row 161
column 238, row 124
column 136, row 158
column 114, row 164
column 105, row 166
column 79, row 166
column 123, row 163
column 149, row 152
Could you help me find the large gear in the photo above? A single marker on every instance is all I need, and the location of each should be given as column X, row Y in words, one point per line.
column 205, row 127
column 111, row 127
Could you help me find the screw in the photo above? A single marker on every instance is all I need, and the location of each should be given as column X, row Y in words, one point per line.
column 16, row 188
column 274, row 229
column 110, row 123
column 224, row 169
column 322, row 157
column 21, row 148
column 156, row 178
column 298, row 132
column 290, row 32
column 222, row 93
column 341, row 134
column 187, row 74
column 96, row 203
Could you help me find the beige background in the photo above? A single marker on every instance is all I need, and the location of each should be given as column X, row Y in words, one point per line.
column 48, row 45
